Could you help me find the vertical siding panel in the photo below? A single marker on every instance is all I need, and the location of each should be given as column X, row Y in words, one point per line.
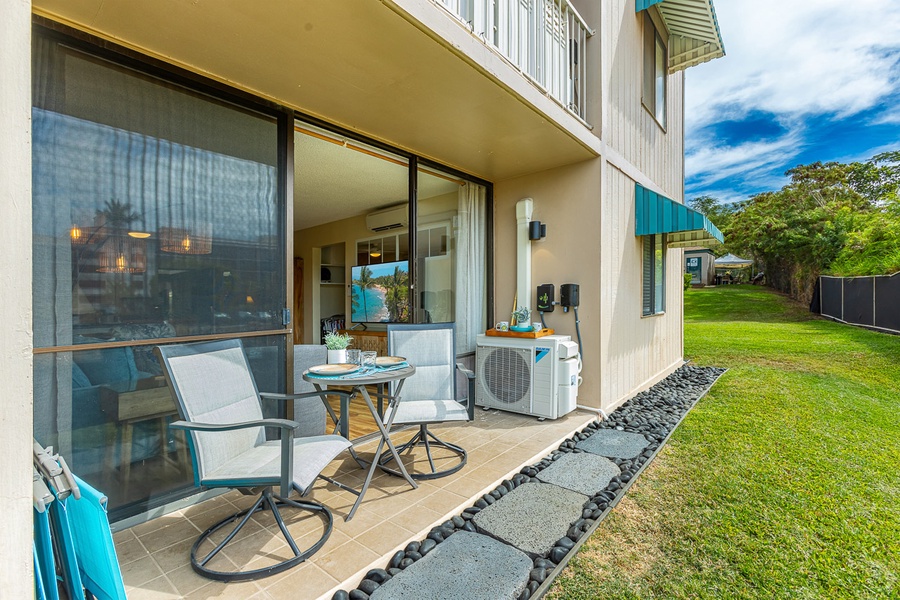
column 633, row 132
column 634, row 349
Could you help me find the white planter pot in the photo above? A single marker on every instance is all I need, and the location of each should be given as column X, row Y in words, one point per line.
column 337, row 356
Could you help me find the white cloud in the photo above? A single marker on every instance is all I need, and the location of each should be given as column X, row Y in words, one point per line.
column 890, row 117
column 798, row 58
column 712, row 163
column 792, row 60
column 759, row 162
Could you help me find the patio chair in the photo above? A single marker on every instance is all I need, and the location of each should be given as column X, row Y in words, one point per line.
column 429, row 396
column 309, row 408
column 220, row 406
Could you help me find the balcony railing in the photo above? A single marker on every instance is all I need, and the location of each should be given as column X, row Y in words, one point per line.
column 544, row 39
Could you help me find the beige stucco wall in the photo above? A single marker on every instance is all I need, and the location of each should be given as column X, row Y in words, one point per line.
column 15, row 299
column 567, row 199
column 336, row 232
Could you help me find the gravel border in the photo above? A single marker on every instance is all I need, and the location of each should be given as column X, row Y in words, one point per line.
column 654, row 413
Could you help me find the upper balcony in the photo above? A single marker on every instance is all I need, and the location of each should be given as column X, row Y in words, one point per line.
column 544, row 39
column 408, row 72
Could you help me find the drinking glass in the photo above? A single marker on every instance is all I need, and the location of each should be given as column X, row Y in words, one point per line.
column 353, row 356
column 368, row 358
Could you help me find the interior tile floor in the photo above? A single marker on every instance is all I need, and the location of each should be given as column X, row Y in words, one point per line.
column 155, row 556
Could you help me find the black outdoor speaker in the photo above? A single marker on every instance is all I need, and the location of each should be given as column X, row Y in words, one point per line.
column 568, row 294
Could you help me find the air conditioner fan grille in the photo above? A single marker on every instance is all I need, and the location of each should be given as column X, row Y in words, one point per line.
column 507, row 375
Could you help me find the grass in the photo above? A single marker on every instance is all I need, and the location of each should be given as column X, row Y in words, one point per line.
column 783, row 482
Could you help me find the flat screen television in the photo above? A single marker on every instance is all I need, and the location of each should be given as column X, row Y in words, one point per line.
column 380, row 293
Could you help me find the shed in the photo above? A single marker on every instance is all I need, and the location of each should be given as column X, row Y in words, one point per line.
column 699, row 262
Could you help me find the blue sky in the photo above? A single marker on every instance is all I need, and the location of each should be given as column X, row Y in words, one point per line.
column 388, row 268
column 800, row 82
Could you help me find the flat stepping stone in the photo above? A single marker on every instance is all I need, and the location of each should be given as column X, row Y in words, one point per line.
column 585, row 473
column 613, row 443
column 466, row 565
column 532, row 516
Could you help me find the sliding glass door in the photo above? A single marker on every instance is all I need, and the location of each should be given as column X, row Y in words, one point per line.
column 387, row 238
column 157, row 218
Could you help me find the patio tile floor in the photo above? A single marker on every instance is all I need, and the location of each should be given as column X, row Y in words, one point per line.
column 155, row 556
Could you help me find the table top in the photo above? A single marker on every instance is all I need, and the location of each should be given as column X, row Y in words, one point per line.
column 376, row 377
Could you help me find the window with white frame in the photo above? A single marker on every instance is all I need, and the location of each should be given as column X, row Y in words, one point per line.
column 654, row 77
column 654, row 275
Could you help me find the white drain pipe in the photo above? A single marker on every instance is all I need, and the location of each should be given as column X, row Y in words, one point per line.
column 524, row 209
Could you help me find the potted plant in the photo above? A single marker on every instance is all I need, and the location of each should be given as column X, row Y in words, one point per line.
column 520, row 318
column 337, row 343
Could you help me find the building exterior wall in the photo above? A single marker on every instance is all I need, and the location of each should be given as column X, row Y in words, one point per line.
column 707, row 265
column 567, row 199
column 588, row 206
column 636, row 351
column 628, row 129
column 15, row 299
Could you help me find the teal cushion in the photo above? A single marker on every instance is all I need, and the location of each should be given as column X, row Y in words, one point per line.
column 110, row 365
column 79, row 379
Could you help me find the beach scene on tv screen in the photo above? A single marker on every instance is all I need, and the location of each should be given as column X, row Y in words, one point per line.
column 380, row 293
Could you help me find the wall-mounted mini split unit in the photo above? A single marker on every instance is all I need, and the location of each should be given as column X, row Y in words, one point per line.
column 537, row 377
column 389, row 218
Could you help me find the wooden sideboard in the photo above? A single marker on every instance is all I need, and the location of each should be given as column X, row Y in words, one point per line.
column 368, row 340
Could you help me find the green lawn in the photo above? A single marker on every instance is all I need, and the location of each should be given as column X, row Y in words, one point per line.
column 783, row 482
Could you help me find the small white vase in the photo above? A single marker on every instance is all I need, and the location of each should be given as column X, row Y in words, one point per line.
column 337, row 356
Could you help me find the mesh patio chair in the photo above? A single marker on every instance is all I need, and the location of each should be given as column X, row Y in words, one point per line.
column 309, row 409
column 430, row 394
column 220, row 407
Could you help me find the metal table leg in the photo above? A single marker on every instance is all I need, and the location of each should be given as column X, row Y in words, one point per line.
column 344, row 421
column 385, row 439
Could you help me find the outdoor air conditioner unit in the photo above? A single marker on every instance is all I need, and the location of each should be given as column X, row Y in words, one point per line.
column 389, row 218
column 537, row 377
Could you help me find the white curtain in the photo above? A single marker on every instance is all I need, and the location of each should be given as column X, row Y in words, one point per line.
column 471, row 304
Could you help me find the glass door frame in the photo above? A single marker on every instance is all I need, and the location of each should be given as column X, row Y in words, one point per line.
column 130, row 59
column 414, row 162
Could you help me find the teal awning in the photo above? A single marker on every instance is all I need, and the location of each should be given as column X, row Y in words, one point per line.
column 694, row 35
column 683, row 226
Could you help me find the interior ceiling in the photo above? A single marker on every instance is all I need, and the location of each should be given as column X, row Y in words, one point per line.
column 356, row 63
column 336, row 181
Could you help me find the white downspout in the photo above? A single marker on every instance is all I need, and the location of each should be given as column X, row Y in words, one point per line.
column 524, row 209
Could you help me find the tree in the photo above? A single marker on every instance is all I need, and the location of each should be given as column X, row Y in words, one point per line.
column 719, row 213
column 396, row 294
column 363, row 282
column 873, row 248
column 878, row 179
column 798, row 231
column 831, row 218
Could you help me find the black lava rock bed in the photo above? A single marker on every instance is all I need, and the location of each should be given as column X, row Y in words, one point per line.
column 653, row 414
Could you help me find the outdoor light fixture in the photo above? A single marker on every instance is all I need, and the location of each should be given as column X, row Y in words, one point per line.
column 536, row 230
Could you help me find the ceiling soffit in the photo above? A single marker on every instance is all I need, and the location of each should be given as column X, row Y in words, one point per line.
column 356, row 63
